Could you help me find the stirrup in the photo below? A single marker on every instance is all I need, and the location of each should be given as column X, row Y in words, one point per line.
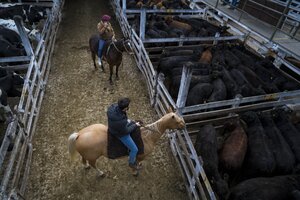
column 99, row 62
column 135, row 166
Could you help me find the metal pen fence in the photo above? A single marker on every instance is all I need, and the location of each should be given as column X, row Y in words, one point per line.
column 197, row 184
column 15, row 165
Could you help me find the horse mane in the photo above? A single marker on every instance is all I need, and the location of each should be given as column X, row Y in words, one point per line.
column 150, row 129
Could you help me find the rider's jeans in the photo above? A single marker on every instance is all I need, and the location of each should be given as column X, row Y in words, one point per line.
column 100, row 47
column 129, row 143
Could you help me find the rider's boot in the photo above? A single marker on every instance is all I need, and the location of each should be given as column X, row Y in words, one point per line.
column 135, row 166
column 99, row 62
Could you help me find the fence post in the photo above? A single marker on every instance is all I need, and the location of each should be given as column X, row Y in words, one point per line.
column 158, row 77
column 25, row 41
column 142, row 24
column 184, row 87
column 124, row 6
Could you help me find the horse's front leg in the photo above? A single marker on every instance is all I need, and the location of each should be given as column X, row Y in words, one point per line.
column 93, row 58
column 117, row 71
column 102, row 67
column 111, row 73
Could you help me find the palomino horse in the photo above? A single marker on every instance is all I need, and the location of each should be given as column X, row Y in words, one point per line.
column 91, row 142
column 112, row 53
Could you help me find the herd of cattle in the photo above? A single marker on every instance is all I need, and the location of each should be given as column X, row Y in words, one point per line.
column 157, row 4
column 11, row 85
column 223, row 72
column 159, row 26
column 11, row 46
column 260, row 154
column 10, row 41
column 258, row 157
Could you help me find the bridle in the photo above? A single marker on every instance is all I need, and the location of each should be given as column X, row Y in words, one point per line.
column 123, row 43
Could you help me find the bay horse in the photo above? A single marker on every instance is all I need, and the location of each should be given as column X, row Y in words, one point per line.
column 112, row 52
column 91, row 142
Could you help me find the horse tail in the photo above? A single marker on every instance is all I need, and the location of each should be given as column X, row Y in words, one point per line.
column 71, row 145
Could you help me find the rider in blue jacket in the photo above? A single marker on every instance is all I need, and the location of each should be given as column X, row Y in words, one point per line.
column 120, row 126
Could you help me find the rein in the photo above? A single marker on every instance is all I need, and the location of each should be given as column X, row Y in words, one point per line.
column 150, row 129
column 116, row 47
column 119, row 49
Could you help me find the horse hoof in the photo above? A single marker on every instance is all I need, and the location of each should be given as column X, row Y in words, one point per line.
column 100, row 175
column 87, row 167
column 136, row 173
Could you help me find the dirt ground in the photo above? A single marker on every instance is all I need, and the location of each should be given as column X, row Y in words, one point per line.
column 76, row 96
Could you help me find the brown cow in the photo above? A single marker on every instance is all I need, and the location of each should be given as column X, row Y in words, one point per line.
column 206, row 56
column 178, row 25
column 235, row 146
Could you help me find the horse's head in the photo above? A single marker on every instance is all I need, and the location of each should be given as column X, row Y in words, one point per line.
column 173, row 121
column 127, row 45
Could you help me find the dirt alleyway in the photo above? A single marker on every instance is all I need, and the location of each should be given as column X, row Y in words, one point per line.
column 77, row 96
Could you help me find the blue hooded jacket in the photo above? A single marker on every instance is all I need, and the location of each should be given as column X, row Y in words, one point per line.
column 118, row 123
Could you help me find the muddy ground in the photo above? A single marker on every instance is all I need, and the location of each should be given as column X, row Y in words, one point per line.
column 76, row 96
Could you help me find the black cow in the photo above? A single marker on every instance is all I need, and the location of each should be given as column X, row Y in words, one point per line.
column 196, row 79
column 295, row 195
column 168, row 63
column 259, row 158
column 199, row 24
column 8, row 85
column 152, row 34
column 288, row 131
column 11, row 36
column 8, row 50
column 264, row 74
column 274, row 188
column 245, row 88
column 256, row 80
column 284, row 157
column 206, row 147
column 218, row 56
column 284, row 83
column 219, row 92
column 245, row 59
column 231, row 86
column 231, row 59
column 199, row 94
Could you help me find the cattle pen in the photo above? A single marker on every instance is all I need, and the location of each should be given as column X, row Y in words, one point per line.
column 197, row 183
column 79, row 109
column 15, row 165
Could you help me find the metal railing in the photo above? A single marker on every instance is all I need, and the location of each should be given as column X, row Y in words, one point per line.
column 196, row 182
column 15, row 164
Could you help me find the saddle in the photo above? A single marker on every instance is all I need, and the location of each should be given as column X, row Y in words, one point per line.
column 116, row 149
